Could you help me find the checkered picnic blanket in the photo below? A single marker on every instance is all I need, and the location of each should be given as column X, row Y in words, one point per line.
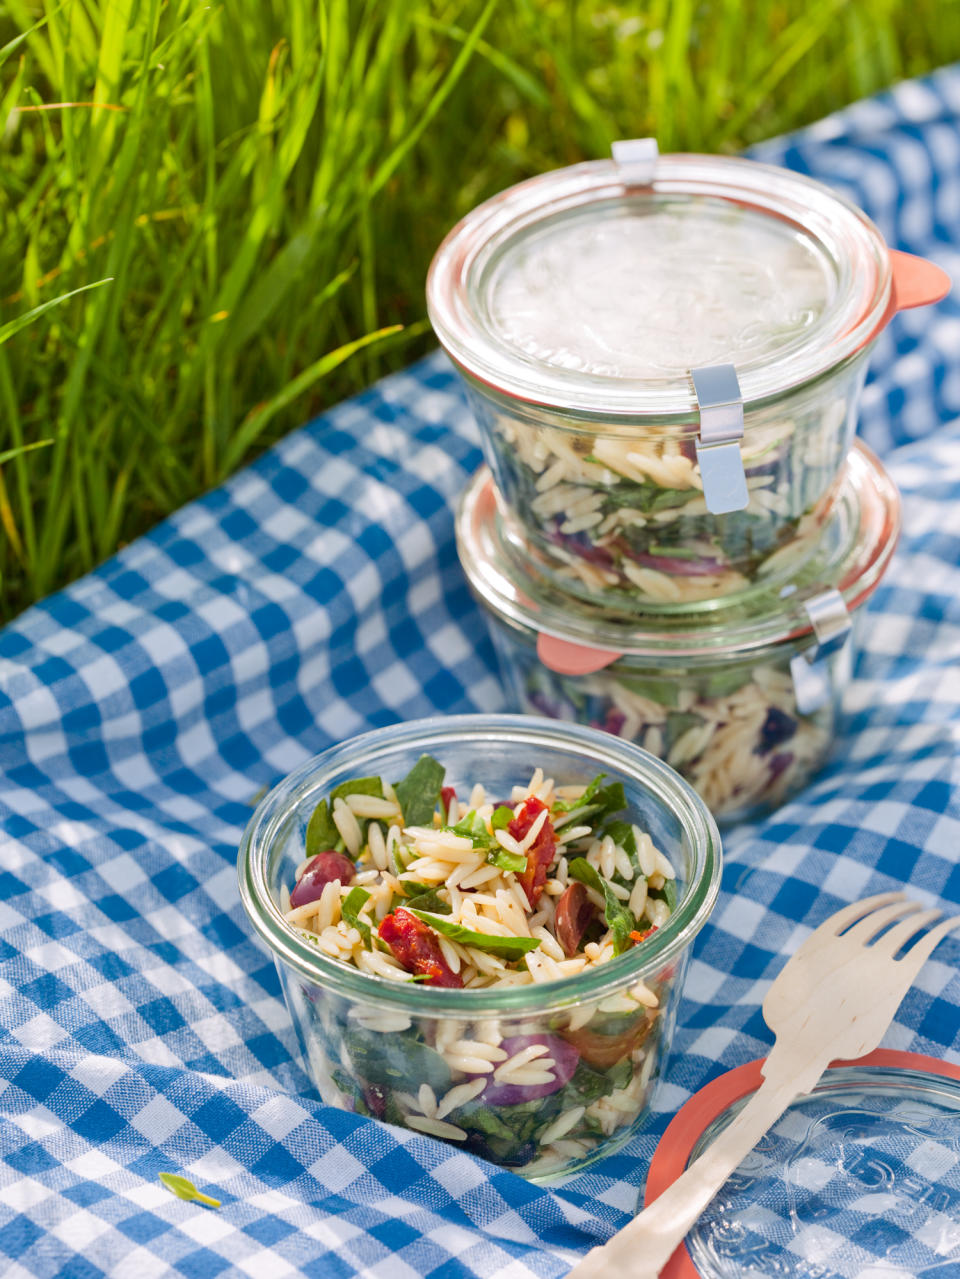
column 318, row 594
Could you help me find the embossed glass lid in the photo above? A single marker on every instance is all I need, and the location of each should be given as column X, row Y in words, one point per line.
column 858, row 1180
column 581, row 290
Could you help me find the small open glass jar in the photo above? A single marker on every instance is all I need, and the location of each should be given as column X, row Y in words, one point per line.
column 371, row 1044
column 665, row 357
column 742, row 698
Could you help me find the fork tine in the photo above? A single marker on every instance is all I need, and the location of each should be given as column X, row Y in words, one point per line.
column 841, row 919
column 869, row 926
column 919, row 954
column 901, row 933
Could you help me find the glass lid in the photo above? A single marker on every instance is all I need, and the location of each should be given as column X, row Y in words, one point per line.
column 851, row 557
column 860, row 1179
column 577, row 291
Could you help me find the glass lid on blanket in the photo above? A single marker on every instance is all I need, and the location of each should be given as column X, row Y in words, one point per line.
column 858, row 1180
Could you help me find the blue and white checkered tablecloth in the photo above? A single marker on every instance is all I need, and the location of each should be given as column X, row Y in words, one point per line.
column 316, row 595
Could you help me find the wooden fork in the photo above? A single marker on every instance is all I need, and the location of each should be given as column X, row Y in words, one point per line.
column 832, row 1000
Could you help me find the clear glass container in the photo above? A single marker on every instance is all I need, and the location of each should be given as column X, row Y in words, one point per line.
column 370, row 1043
column 577, row 306
column 740, row 697
column 859, row 1179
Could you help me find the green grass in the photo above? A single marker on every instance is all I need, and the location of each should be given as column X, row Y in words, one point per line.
column 262, row 184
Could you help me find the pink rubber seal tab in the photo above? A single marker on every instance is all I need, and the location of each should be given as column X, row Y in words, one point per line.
column 572, row 659
column 916, row 282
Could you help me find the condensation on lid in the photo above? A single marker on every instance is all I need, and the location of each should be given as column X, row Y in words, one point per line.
column 579, row 292
column 651, row 292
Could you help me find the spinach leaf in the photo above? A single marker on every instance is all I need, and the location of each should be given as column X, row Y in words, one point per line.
column 358, row 786
column 350, row 910
column 677, row 724
column 321, row 832
column 501, row 818
column 516, row 862
column 474, row 827
column 504, row 947
column 618, row 916
column 419, row 792
column 664, row 692
column 589, row 1083
column 667, row 893
column 428, row 900
column 396, row 1061
column 596, row 800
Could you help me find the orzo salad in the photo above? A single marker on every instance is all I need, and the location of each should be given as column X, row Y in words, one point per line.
column 411, row 883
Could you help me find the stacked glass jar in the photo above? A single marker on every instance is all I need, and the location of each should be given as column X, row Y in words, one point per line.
column 665, row 356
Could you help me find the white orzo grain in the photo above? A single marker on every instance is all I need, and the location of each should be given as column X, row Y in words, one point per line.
column 459, row 1096
column 562, row 1124
column 436, row 1128
column 348, row 826
column 371, row 806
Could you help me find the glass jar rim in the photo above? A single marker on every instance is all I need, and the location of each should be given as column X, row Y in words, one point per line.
column 594, row 983
column 846, row 237
column 721, row 630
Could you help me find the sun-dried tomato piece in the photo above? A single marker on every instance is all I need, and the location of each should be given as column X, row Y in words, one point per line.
column 417, row 947
column 541, row 852
column 575, row 913
column 447, row 795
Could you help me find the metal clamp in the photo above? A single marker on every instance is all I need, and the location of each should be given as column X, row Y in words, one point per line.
column 718, row 445
column 636, row 158
column 810, row 671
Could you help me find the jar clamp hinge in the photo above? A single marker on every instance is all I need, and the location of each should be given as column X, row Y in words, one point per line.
column 810, row 670
column 718, row 444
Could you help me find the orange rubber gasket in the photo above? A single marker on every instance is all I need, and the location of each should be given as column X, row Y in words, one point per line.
column 692, row 1120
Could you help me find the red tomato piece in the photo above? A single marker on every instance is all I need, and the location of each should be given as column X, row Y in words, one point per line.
column 541, row 852
column 447, row 796
column 417, row 947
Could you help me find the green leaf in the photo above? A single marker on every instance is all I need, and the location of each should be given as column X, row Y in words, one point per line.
column 504, row 947
column 185, row 1189
column 250, row 429
column 503, row 860
column 350, row 910
column 474, row 827
column 568, row 805
column 597, row 801
column 618, row 916
column 664, row 692
column 501, row 818
column 429, row 900
column 419, row 792
column 321, row 831
column 668, row 894
column 8, row 330
column 676, row 725
column 394, row 1061
column 358, row 786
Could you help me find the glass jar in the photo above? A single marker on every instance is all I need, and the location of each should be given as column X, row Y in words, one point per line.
column 666, row 367
column 370, row 1044
column 741, row 698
